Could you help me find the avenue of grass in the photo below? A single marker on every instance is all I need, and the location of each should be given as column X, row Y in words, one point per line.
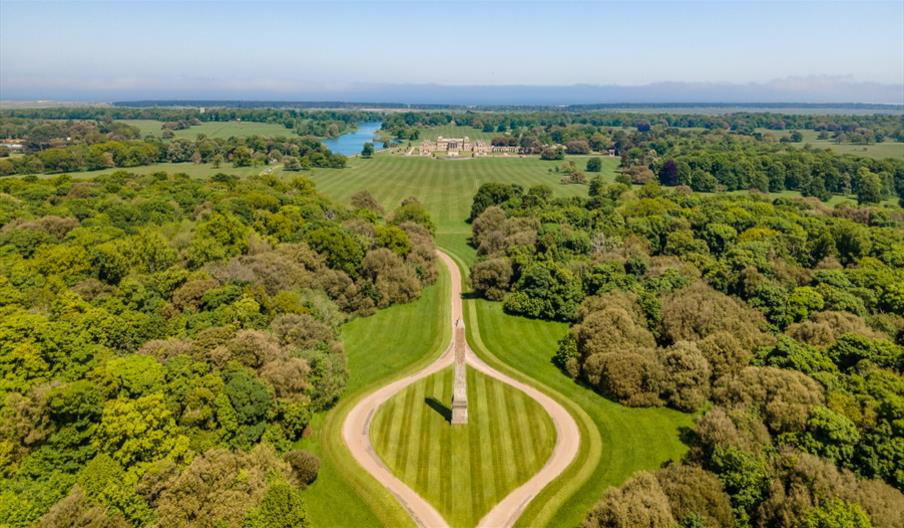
column 615, row 440
column 463, row 470
column 445, row 187
column 387, row 345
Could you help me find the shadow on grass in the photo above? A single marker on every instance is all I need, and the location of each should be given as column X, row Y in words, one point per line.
column 688, row 436
column 438, row 406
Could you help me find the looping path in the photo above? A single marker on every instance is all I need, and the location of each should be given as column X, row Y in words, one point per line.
column 357, row 426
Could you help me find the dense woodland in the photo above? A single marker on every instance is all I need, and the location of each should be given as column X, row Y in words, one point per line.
column 164, row 341
column 780, row 321
column 718, row 161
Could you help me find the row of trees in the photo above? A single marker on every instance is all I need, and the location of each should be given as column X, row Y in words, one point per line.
column 876, row 127
column 320, row 123
column 40, row 134
column 297, row 153
column 165, row 341
column 715, row 160
column 729, row 163
column 782, row 317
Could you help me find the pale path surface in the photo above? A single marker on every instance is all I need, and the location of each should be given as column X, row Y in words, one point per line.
column 357, row 426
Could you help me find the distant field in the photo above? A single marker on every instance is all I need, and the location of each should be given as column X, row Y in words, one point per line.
column 887, row 149
column 463, row 470
column 456, row 131
column 195, row 170
column 218, row 129
column 718, row 110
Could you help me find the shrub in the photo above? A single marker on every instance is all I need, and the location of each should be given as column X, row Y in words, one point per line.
column 686, row 376
column 782, row 397
column 697, row 311
column 634, row 378
column 552, row 153
column 492, row 278
column 305, row 466
column 695, row 493
column 639, row 502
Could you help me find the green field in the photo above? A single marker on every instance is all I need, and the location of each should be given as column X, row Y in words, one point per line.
column 616, row 440
column 886, row 149
column 453, row 131
column 445, row 187
column 463, row 470
column 343, row 494
column 213, row 129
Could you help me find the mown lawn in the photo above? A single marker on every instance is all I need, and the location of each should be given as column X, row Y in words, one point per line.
column 382, row 347
column 445, row 187
column 616, row 440
column 463, row 470
column 213, row 129
column 450, row 131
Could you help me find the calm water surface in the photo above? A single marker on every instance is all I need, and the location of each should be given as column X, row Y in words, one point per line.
column 351, row 143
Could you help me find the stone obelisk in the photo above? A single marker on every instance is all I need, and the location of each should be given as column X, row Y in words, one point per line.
column 460, row 386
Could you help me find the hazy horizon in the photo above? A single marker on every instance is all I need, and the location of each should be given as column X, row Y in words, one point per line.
column 673, row 51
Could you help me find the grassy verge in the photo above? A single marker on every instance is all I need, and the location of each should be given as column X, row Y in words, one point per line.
column 380, row 348
column 463, row 470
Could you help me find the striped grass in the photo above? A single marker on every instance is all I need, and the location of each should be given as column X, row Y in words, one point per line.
column 463, row 470
column 616, row 441
column 343, row 494
column 445, row 187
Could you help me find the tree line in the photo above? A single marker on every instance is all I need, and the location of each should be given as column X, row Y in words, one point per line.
column 39, row 134
column 320, row 123
column 297, row 153
column 873, row 127
column 715, row 161
column 165, row 341
column 780, row 320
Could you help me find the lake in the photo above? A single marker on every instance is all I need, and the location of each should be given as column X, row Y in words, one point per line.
column 351, row 143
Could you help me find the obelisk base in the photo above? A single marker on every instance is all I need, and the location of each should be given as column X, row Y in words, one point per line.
column 460, row 387
column 459, row 411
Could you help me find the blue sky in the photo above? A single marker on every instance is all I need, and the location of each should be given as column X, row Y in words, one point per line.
column 291, row 48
